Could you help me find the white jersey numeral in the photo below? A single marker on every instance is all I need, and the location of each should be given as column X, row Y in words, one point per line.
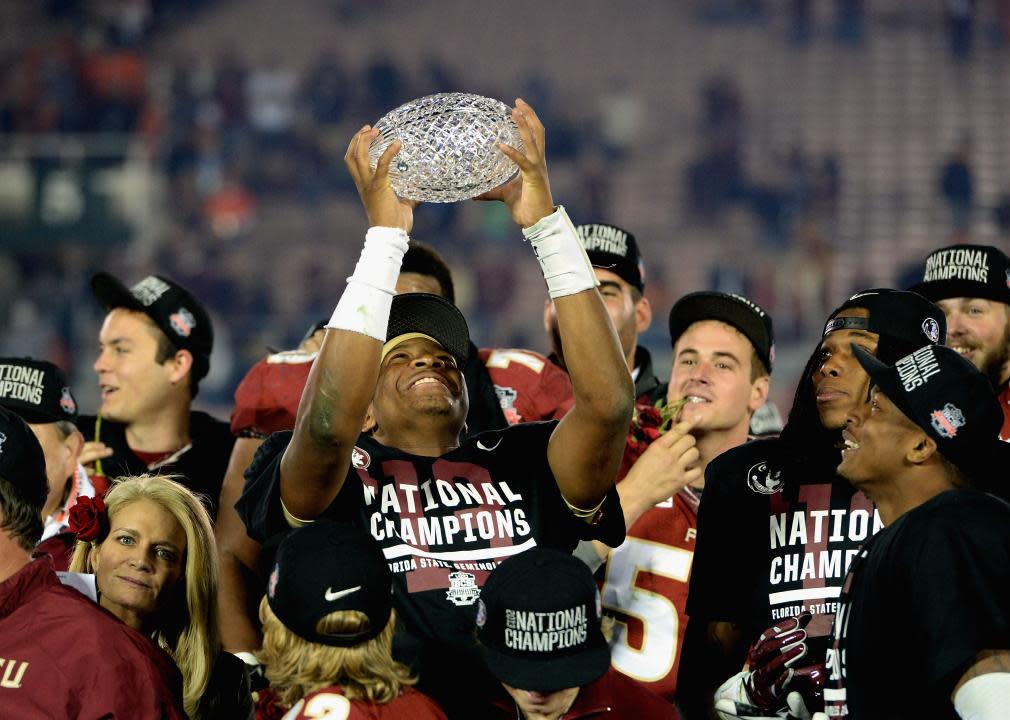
column 654, row 660
column 324, row 706
column 502, row 359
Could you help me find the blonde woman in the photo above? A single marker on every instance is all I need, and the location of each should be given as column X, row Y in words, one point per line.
column 151, row 549
column 328, row 631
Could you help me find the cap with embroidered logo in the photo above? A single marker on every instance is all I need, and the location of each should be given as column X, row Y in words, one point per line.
column 538, row 622
column 903, row 320
column 328, row 566
column 171, row 307
column 946, row 396
column 36, row 390
column 615, row 249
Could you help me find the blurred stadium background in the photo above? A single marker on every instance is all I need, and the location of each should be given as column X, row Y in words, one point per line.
column 791, row 150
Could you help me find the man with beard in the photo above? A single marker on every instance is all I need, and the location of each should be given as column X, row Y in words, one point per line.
column 777, row 527
column 935, row 581
column 971, row 284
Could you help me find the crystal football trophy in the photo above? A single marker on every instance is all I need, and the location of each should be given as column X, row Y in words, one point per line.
column 450, row 146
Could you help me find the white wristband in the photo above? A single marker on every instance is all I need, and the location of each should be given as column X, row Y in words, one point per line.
column 985, row 697
column 364, row 306
column 562, row 257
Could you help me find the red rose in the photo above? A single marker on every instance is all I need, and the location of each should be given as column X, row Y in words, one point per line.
column 89, row 520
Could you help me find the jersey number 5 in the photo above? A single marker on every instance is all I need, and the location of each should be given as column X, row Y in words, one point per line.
column 324, row 706
column 623, row 594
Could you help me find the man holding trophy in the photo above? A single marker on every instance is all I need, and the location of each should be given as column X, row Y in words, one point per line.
column 377, row 438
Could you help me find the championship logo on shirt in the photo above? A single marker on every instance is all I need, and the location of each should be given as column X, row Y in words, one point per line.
column 932, row 329
column 182, row 322
column 67, row 401
column 764, row 481
column 463, row 588
column 360, row 459
column 948, row 420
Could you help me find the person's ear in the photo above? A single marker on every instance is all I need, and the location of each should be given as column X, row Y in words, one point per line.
column 758, row 393
column 643, row 315
column 179, row 366
column 923, row 450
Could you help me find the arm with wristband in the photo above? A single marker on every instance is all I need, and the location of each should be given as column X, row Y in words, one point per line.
column 344, row 375
column 585, row 449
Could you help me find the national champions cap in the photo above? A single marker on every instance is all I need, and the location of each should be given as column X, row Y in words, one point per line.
column 328, row 566
column 538, row 622
column 170, row 306
column 946, row 396
column 973, row 271
column 612, row 248
column 904, row 321
column 36, row 390
column 734, row 310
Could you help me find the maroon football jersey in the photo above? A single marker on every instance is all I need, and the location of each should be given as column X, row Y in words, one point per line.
column 330, row 704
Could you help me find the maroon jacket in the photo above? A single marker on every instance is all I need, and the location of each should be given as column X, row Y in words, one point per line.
column 63, row 656
column 613, row 696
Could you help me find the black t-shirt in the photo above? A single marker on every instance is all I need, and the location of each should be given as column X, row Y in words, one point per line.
column 444, row 524
column 776, row 534
column 923, row 598
column 202, row 464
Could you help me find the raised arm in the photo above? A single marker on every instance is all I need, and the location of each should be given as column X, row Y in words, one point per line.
column 585, row 450
column 343, row 377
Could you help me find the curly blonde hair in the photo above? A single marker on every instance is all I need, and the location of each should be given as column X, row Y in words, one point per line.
column 296, row 666
column 186, row 628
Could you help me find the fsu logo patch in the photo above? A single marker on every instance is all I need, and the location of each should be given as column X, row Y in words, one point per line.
column 67, row 402
column 360, row 459
column 183, row 322
column 764, row 481
column 932, row 329
column 463, row 588
column 947, row 421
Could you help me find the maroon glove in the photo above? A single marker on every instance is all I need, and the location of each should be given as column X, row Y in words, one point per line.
column 771, row 660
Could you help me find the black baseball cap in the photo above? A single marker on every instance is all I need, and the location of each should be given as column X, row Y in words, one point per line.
column 615, row 249
column 328, row 566
column 36, row 390
column 732, row 309
column 975, row 271
column 170, row 306
column 904, row 320
column 22, row 462
column 946, row 396
column 433, row 316
column 538, row 622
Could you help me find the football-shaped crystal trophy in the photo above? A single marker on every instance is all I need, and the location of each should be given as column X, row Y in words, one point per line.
column 450, row 146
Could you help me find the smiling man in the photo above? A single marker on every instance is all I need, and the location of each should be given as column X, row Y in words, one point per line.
column 971, row 284
column 777, row 527
column 446, row 511
column 935, row 581
column 722, row 356
column 154, row 348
